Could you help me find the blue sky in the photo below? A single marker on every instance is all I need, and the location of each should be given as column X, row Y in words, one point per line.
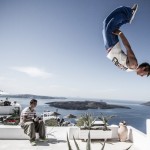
column 55, row 48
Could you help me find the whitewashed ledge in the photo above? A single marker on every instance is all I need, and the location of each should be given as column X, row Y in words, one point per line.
column 59, row 141
column 137, row 139
column 12, row 132
column 75, row 131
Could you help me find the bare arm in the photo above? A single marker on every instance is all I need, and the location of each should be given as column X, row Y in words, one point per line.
column 132, row 61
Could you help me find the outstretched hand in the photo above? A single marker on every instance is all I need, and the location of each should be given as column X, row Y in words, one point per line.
column 116, row 32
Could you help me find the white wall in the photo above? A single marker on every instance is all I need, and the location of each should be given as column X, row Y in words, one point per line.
column 12, row 132
column 139, row 139
column 74, row 131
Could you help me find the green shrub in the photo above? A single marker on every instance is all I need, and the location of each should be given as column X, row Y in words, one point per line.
column 105, row 119
column 86, row 120
column 51, row 122
column 88, row 144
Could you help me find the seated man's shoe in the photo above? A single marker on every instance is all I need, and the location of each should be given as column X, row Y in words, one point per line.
column 33, row 143
column 134, row 10
column 43, row 139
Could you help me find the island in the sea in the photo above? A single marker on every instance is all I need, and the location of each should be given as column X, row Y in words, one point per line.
column 84, row 105
column 146, row 103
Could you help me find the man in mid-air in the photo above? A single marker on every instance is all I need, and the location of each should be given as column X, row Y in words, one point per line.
column 111, row 30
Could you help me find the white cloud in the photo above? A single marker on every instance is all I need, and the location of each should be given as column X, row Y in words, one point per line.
column 2, row 78
column 33, row 72
column 3, row 93
column 5, row 79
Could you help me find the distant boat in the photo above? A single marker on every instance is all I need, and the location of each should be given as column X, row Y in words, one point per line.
column 46, row 115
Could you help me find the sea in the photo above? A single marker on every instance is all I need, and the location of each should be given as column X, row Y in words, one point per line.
column 136, row 116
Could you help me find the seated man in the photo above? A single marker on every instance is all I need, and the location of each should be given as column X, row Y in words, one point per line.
column 31, row 123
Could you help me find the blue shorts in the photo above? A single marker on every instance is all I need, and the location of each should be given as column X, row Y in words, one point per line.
column 115, row 20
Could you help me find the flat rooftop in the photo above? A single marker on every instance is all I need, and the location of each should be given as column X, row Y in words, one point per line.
column 59, row 142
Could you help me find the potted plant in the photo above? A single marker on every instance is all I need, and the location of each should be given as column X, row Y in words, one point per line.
column 105, row 119
column 87, row 122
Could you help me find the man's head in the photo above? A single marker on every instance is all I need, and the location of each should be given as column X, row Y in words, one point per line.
column 143, row 69
column 33, row 103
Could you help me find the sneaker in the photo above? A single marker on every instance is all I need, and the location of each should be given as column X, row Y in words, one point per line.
column 33, row 143
column 42, row 139
column 134, row 9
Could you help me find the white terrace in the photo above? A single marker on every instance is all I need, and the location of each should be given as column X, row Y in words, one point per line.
column 12, row 138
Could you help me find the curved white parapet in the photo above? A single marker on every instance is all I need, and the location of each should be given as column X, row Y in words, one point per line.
column 148, row 128
column 6, row 110
column 139, row 139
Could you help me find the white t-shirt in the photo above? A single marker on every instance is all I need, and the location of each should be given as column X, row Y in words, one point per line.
column 118, row 57
column 28, row 113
